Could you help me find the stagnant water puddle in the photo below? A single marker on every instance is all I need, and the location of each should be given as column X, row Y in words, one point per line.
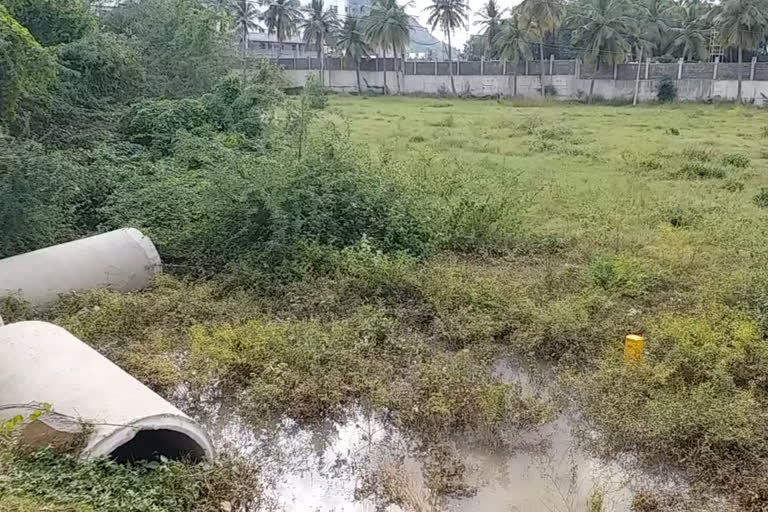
column 325, row 468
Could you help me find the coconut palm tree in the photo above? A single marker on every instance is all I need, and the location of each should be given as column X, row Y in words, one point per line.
column 387, row 26
column 281, row 18
column 490, row 20
column 317, row 26
column 244, row 13
column 690, row 33
column 655, row 19
column 450, row 15
column 513, row 43
column 603, row 30
column 543, row 17
column 351, row 41
column 743, row 24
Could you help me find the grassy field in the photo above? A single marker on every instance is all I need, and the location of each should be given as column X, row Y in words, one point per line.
column 541, row 232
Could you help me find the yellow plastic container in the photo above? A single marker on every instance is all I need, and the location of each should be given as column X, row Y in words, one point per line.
column 633, row 348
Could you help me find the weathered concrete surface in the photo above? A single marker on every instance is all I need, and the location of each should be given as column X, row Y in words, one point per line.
column 123, row 260
column 43, row 363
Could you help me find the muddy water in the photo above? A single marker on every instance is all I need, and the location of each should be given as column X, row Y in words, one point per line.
column 320, row 469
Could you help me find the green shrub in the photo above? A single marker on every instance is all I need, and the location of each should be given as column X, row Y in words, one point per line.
column 216, row 207
column 314, row 92
column 483, row 226
column 42, row 481
column 699, row 153
column 36, row 195
column 457, row 393
column 626, row 275
column 156, row 122
column 52, row 22
column 699, row 170
column 739, row 160
column 667, row 90
column 761, row 198
column 734, row 185
column 33, row 68
column 101, row 66
column 694, row 403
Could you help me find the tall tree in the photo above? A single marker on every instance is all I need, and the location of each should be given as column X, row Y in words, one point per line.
column 490, row 19
column 543, row 17
column 281, row 18
column 318, row 25
column 244, row 14
column 742, row 24
column 654, row 22
column 450, row 15
column 602, row 29
column 690, row 32
column 513, row 43
column 352, row 43
column 388, row 27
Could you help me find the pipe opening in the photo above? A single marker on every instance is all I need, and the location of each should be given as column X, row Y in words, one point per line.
column 151, row 444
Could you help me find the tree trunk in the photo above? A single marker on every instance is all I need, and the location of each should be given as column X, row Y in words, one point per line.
column 320, row 56
column 357, row 73
column 541, row 65
column 279, row 48
column 385, row 71
column 514, row 78
column 245, row 56
column 450, row 62
column 395, row 64
column 738, row 93
column 637, row 77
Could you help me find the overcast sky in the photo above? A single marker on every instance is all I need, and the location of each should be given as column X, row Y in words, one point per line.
column 458, row 39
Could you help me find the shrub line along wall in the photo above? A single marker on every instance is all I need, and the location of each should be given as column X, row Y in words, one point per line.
column 568, row 78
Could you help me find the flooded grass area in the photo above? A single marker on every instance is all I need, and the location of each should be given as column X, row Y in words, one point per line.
column 429, row 316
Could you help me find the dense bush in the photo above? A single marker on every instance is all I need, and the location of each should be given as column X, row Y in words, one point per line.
column 156, row 122
column 315, row 92
column 177, row 44
column 35, row 193
column 25, row 67
column 53, row 22
column 100, row 67
column 667, row 90
column 212, row 206
column 42, row 481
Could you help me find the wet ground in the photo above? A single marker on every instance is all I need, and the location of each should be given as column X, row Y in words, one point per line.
column 326, row 468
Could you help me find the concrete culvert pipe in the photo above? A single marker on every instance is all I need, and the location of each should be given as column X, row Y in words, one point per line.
column 123, row 260
column 43, row 363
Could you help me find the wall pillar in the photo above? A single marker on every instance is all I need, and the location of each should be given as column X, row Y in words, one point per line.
column 551, row 63
column 458, row 67
column 526, row 68
column 615, row 71
column 647, row 67
column 482, row 65
column 680, row 69
column 435, row 67
column 714, row 70
column 504, row 67
column 752, row 69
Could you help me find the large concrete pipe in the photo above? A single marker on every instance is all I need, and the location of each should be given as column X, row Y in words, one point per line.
column 123, row 260
column 43, row 363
